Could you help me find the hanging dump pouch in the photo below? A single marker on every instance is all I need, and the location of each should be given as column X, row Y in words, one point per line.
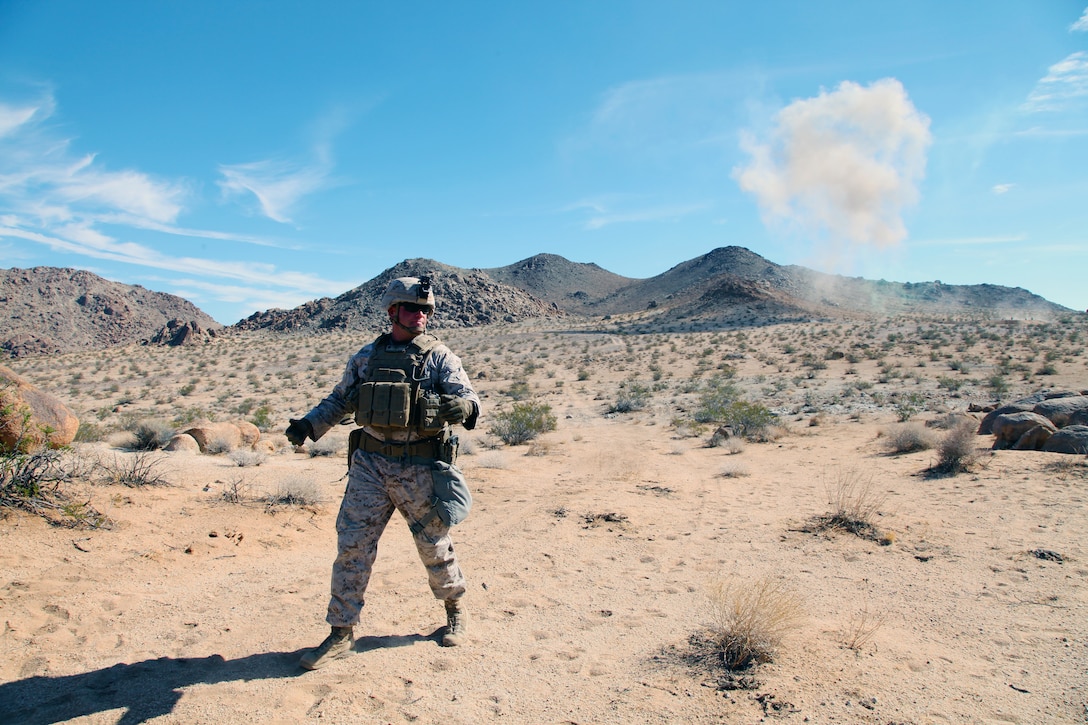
column 452, row 499
column 384, row 404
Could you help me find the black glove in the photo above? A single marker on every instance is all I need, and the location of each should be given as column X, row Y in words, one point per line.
column 298, row 431
column 453, row 409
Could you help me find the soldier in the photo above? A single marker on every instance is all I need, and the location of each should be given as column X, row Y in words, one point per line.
column 406, row 389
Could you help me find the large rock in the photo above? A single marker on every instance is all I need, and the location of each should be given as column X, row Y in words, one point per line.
column 250, row 433
column 182, row 443
column 1009, row 427
column 1017, row 406
column 1071, row 439
column 31, row 418
column 1060, row 411
column 220, row 437
column 1034, row 439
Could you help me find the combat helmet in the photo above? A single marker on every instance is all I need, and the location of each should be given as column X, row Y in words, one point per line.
column 409, row 289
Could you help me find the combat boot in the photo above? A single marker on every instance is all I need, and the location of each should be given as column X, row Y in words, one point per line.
column 456, row 624
column 337, row 644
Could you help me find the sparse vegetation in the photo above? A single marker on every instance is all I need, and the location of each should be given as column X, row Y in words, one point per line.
column 908, row 438
column 855, row 501
column 956, row 452
column 750, row 622
column 524, row 422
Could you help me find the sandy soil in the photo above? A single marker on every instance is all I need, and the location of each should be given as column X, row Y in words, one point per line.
column 590, row 557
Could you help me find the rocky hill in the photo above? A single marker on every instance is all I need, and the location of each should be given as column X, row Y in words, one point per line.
column 50, row 310
column 571, row 286
column 466, row 298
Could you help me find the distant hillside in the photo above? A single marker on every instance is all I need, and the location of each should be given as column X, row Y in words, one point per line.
column 48, row 310
column 572, row 286
column 730, row 284
column 466, row 298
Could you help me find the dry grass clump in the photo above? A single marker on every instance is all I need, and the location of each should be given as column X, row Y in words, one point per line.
column 735, row 470
column 750, row 622
column 246, row 457
column 294, row 491
column 863, row 625
column 143, row 468
column 956, row 452
column 854, row 500
column 908, row 438
column 326, row 447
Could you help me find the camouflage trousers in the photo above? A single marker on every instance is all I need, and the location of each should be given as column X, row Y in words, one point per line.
column 376, row 486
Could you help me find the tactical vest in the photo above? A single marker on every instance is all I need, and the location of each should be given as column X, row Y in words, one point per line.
column 390, row 396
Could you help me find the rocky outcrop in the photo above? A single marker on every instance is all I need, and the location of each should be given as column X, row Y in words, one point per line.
column 176, row 333
column 31, row 418
column 1045, row 421
column 1010, row 427
column 1071, row 439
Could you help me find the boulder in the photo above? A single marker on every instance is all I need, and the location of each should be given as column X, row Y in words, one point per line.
column 1009, row 427
column 1017, row 406
column 182, row 442
column 220, row 437
column 1060, row 411
column 31, row 418
column 250, row 433
column 1034, row 439
column 1070, row 439
column 175, row 333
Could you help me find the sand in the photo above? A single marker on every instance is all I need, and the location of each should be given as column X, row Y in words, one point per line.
column 591, row 556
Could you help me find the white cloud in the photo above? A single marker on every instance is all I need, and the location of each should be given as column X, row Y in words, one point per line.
column 1082, row 24
column 277, row 185
column 1000, row 189
column 12, row 118
column 1065, row 84
column 844, row 164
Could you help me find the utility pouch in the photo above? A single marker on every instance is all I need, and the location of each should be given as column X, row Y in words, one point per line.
column 384, row 404
column 452, row 499
column 355, row 438
column 429, row 422
column 447, row 450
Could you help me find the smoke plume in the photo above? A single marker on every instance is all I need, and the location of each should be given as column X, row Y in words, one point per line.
column 843, row 165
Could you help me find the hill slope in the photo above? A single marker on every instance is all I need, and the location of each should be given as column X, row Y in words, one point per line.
column 53, row 310
column 466, row 298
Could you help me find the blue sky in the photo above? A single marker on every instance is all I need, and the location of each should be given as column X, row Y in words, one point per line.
column 257, row 154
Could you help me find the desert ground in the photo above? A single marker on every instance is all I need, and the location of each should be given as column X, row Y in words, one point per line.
column 596, row 553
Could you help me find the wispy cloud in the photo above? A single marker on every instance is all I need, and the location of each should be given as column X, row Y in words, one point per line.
column 1081, row 25
column 90, row 243
column 1000, row 189
column 278, row 185
column 1064, row 85
column 843, row 165
column 606, row 211
column 73, row 203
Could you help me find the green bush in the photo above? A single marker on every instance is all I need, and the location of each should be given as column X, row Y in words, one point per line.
column 262, row 418
column 715, row 400
column 631, row 398
column 748, row 420
column 523, row 422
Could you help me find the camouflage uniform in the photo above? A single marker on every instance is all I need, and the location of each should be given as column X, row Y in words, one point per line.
column 378, row 484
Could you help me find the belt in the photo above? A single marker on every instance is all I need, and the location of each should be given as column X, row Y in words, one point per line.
column 426, row 448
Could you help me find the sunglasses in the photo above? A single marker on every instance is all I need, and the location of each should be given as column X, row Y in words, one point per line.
column 413, row 307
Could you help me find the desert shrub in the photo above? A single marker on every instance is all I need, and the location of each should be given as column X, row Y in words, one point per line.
column 139, row 469
column 89, row 432
column 492, row 459
column 262, row 418
column 908, row 438
column 748, row 420
column 908, row 405
column 750, row 621
column 519, row 390
column 219, row 444
column 151, row 435
column 326, row 447
column 524, row 422
column 631, row 398
column 735, row 470
column 247, row 457
column 956, row 451
column 716, row 398
column 294, row 492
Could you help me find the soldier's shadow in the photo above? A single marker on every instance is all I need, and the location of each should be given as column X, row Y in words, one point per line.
column 150, row 688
